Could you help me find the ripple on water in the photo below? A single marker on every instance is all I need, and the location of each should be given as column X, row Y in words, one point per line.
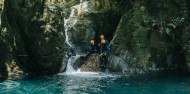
column 105, row 83
column 7, row 85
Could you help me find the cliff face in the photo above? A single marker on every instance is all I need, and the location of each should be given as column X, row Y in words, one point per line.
column 33, row 31
column 152, row 35
column 88, row 19
column 32, row 35
column 3, row 48
column 144, row 35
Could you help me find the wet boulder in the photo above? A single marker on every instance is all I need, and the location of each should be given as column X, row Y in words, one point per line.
column 88, row 63
column 14, row 71
column 92, row 63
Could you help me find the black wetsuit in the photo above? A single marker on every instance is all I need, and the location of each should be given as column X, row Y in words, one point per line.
column 92, row 49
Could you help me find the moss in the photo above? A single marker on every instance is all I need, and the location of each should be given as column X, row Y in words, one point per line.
column 143, row 60
column 139, row 40
column 151, row 30
column 35, row 48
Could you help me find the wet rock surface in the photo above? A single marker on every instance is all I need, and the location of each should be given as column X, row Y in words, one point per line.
column 88, row 63
column 32, row 32
column 148, row 39
column 14, row 71
column 144, row 35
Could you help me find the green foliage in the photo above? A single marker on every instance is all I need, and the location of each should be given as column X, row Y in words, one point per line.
column 140, row 32
column 153, row 29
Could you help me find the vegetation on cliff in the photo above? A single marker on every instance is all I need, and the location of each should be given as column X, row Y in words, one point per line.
column 144, row 34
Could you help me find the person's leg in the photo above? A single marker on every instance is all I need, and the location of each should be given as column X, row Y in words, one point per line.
column 101, row 61
column 104, row 61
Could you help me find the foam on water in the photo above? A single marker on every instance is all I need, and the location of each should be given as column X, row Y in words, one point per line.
column 91, row 74
column 71, row 60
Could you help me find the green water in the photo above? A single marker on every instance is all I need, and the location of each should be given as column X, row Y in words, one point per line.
column 97, row 83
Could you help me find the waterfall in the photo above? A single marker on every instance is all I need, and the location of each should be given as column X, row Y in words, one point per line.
column 71, row 60
column 69, row 23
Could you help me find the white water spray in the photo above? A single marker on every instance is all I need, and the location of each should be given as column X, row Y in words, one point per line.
column 71, row 60
column 68, row 23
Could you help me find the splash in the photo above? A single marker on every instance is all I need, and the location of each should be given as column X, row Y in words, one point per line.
column 71, row 60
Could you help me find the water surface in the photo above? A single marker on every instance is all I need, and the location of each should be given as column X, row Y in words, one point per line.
column 97, row 83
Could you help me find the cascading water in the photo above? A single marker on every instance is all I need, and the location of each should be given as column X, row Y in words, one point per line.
column 69, row 23
column 71, row 60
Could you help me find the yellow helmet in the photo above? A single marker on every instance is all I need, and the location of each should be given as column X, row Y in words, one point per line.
column 102, row 36
column 103, row 41
column 92, row 41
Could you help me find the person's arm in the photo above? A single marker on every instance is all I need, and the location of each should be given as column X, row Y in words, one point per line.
column 89, row 48
column 99, row 44
column 100, row 49
column 95, row 49
column 107, row 42
column 107, row 45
